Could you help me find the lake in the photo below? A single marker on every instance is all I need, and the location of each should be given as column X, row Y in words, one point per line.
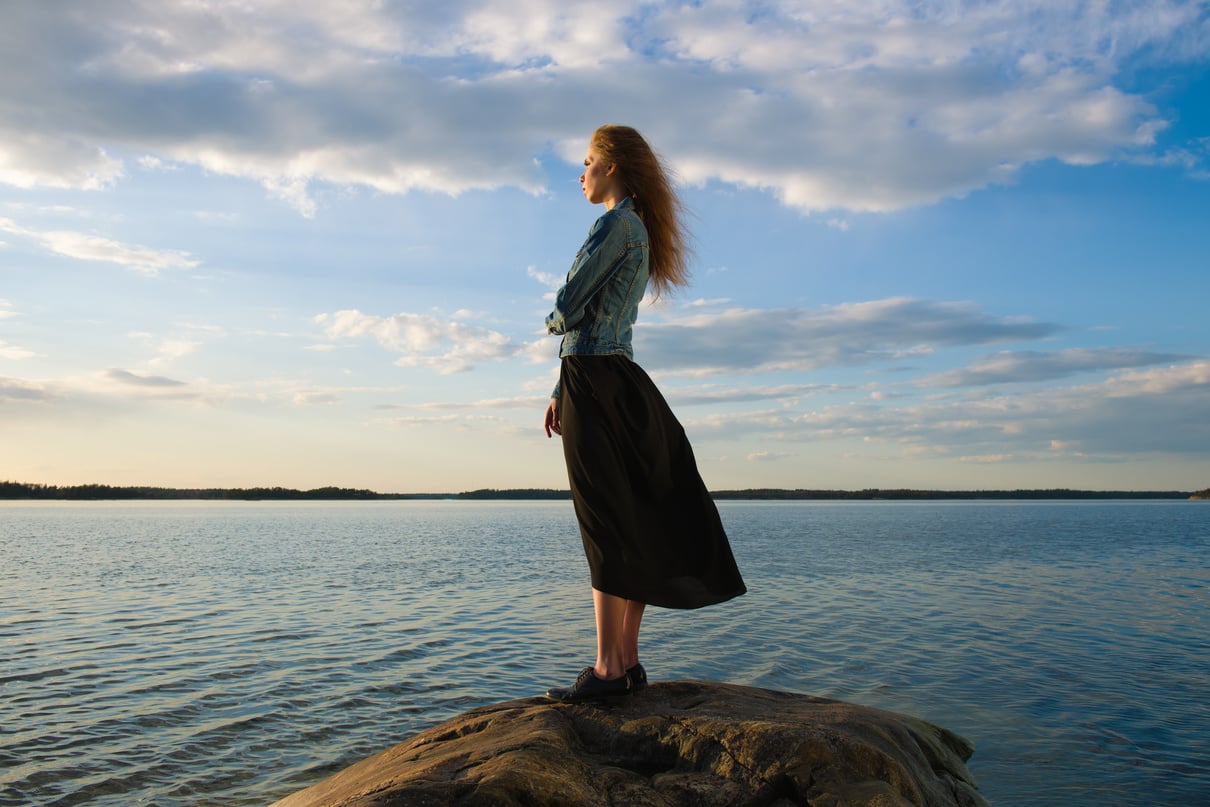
column 230, row 653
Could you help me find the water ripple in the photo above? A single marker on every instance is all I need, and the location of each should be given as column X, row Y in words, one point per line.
column 227, row 654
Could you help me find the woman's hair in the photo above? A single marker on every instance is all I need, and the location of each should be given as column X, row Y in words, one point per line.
column 648, row 183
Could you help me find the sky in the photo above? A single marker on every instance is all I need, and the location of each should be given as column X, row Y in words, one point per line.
column 937, row 244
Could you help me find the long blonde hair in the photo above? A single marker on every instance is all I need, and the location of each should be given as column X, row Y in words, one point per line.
column 647, row 181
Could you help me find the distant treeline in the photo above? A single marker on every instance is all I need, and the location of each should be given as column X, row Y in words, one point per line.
column 21, row 490
column 873, row 494
column 514, row 493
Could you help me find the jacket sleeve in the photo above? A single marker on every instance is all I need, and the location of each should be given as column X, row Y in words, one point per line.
column 597, row 260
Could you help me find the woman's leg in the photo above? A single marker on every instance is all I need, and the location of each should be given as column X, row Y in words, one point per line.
column 618, row 622
column 630, row 632
column 611, row 627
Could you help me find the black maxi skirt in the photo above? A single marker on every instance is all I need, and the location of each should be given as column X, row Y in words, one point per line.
column 651, row 531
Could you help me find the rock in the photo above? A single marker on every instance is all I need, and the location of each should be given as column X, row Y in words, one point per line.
column 674, row 743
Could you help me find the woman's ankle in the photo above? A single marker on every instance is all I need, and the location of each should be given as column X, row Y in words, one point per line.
column 609, row 672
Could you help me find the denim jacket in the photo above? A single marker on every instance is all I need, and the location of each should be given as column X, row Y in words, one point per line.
column 597, row 306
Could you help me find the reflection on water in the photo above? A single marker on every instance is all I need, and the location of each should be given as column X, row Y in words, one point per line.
column 231, row 653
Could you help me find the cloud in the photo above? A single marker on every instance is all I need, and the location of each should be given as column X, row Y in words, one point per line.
column 315, row 398
column 448, row 346
column 8, row 351
column 677, row 396
column 745, row 340
column 28, row 160
column 1194, row 158
column 695, row 341
column 530, row 403
column 718, row 393
column 97, row 392
column 171, row 349
column 1030, row 366
column 86, row 247
column 457, row 423
column 16, row 389
column 825, row 104
column 987, row 459
column 1164, row 407
column 552, row 282
column 767, row 456
column 137, row 380
column 1175, row 380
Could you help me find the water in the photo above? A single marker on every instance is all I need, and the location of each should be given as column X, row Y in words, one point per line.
column 187, row 653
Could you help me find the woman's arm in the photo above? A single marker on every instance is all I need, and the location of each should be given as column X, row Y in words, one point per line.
column 595, row 263
column 552, row 423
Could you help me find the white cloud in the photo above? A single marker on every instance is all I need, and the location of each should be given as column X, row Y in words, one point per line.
column 8, row 351
column 29, row 160
column 544, row 350
column 448, row 346
column 87, row 247
column 150, row 162
column 171, row 349
column 1174, row 380
column 767, row 456
column 826, row 104
column 570, row 34
column 552, row 282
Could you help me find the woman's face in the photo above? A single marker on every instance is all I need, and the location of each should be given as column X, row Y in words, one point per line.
column 599, row 182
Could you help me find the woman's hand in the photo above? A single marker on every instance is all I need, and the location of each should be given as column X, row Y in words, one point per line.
column 552, row 422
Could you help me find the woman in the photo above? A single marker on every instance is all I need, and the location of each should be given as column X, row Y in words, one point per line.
column 651, row 532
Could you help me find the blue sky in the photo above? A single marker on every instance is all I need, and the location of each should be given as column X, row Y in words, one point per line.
column 938, row 245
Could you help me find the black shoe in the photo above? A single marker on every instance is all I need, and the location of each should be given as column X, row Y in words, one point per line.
column 638, row 676
column 588, row 686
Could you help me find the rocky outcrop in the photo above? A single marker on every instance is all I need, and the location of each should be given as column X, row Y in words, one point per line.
column 674, row 743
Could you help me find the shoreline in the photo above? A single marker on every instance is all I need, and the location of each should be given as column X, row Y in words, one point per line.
column 21, row 491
